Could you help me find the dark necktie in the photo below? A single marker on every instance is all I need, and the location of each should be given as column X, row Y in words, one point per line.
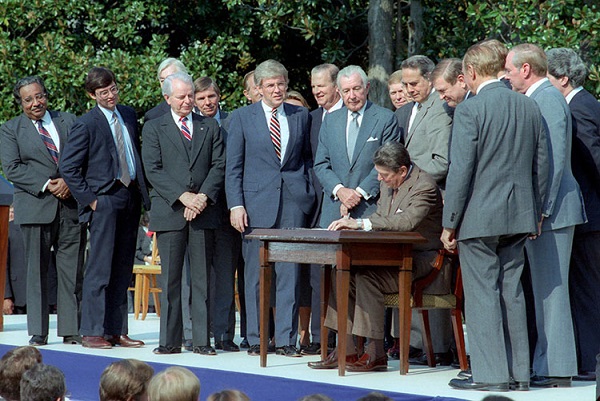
column 353, row 129
column 125, row 177
column 275, row 130
column 47, row 139
column 185, row 130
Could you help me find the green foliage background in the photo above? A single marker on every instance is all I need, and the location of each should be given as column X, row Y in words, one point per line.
column 61, row 39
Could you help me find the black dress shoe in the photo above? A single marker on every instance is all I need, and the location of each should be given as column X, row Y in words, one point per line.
column 519, row 386
column 205, row 350
column 312, row 349
column 38, row 340
column 227, row 345
column 288, row 350
column 585, row 377
column 163, row 350
column 244, row 344
column 188, row 345
column 550, row 381
column 254, row 350
column 469, row 384
column 72, row 340
column 441, row 359
column 465, row 374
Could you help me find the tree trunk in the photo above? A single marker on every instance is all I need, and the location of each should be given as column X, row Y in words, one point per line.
column 381, row 48
column 400, row 47
column 415, row 28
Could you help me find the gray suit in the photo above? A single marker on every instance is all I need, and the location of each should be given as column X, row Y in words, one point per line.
column 332, row 166
column 173, row 166
column 428, row 137
column 493, row 199
column 549, row 255
column 46, row 222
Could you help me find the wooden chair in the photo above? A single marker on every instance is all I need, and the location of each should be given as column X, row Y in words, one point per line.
column 146, row 284
column 424, row 302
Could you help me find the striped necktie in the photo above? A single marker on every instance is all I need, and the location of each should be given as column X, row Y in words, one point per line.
column 47, row 139
column 185, row 130
column 123, row 166
column 275, row 130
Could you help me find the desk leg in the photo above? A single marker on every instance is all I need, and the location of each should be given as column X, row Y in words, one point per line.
column 265, row 303
column 343, row 288
column 404, row 310
column 325, row 289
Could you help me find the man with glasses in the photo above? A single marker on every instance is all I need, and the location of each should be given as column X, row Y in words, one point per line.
column 31, row 145
column 102, row 166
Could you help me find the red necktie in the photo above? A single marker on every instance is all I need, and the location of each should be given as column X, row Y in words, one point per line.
column 47, row 139
column 275, row 131
column 185, row 130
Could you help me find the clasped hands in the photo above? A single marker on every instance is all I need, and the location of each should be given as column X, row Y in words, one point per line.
column 194, row 204
column 58, row 187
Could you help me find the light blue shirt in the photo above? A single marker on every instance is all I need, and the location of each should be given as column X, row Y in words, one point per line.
column 126, row 139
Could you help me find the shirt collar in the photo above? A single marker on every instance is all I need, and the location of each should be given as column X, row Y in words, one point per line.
column 536, row 85
column 572, row 94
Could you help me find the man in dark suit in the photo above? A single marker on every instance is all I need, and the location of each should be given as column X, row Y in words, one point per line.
column 102, row 166
column 410, row 201
column 227, row 245
column 15, row 290
column 31, row 146
column 184, row 162
column 268, row 186
column 567, row 72
column 166, row 67
column 493, row 202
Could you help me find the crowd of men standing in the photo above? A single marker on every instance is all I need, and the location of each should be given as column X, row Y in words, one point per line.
column 513, row 171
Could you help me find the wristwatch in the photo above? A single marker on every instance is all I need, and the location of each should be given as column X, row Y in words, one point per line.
column 359, row 223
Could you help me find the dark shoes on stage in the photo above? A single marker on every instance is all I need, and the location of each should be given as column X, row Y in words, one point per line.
column 244, row 344
column 469, row 384
column 367, row 363
column 124, row 341
column 331, row 362
column 227, row 345
column 441, row 359
column 72, row 340
column 204, row 350
column 163, row 350
column 550, row 381
column 97, row 342
column 585, row 377
column 288, row 350
column 311, row 349
column 38, row 340
column 254, row 350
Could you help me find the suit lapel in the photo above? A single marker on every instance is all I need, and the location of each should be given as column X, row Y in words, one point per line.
column 364, row 133
column 104, row 128
column 30, row 132
column 404, row 189
column 262, row 126
column 61, row 128
column 292, row 120
column 171, row 131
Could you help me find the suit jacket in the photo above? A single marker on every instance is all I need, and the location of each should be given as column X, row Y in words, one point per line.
column 254, row 175
column 499, row 167
column 585, row 111
column 564, row 205
column 332, row 166
column 89, row 163
column 428, row 138
column 27, row 163
column 171, row 171
column 403, row 116
column 157, row 111
column 416, row 207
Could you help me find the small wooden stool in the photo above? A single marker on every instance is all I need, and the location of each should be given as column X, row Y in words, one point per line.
column 145, row 283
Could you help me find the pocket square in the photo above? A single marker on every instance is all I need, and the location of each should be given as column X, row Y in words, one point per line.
column 371, row 139
column 399, row 211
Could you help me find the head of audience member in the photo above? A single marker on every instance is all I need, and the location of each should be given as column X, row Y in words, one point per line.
column 250, row 89
column 178, row 90
column 353, row 84
column 449, row 81
column 11, row 213
column 392, row 163
column 496, row 398
column 125, row 380
column 31, row 95
column 175, row 383
column 566, row 70
column 416, row 76
column 315, row 397
column 207, row 96
column 501, row 51
column 12, row 366
column 43, row 383
column 397, row 90
column 323, row 84
column 228, row 395
column 479, row 65
column 101, row 85
column 296, row 98
column 525, row 65
column 271, row 78
column 169, row 66
column 375, row 396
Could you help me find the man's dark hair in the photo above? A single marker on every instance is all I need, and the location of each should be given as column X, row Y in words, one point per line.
column 375, row 396
column 204, row 83
column 125, row 379
column 99, row 77
column 392, row 155
column 12, row 366
column 421, row 63
column 27, row 81
column 43, row 383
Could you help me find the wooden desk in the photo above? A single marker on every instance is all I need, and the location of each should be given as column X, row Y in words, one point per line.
column 342, row 249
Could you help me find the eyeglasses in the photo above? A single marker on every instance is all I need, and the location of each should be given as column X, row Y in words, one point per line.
column 107, row 92
column 38, row 97
column 282, row 86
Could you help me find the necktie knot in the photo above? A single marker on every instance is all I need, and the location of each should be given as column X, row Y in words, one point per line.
column 355, row 115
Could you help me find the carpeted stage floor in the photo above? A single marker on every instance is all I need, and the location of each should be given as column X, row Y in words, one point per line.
column 284, row 379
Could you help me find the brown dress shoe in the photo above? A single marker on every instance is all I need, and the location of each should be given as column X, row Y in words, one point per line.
column 366, row 363
column 124, row 341
column 95, row 342
column 331, row 362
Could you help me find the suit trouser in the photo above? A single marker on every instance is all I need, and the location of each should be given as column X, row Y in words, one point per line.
column 68, row 238
column 171, row 247
column 286, row 276
column 549, row 257
column 584, row 282
column 495, row 307
column 228, row 244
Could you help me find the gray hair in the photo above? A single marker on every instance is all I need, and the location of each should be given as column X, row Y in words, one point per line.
column 168, row 62
column 269, row 69
column 167, row 88
column 346, row 72
column 563, row 62
column 27, row 81
column 330, row 69
column 421, row 63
